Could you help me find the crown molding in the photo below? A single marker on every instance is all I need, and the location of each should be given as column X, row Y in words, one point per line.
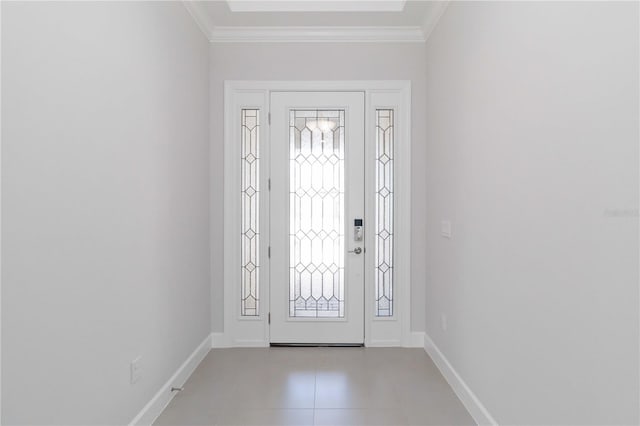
column 199, row 14
column 303, row 34
column 317, row 34
column 433, row 18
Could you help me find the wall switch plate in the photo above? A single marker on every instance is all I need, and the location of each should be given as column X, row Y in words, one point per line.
column 136, row 370
column 445, row 228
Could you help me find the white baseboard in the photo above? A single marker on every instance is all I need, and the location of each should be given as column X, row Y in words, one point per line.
column 380, row 343
column 219, row 340
column 161, row 399
column 471, row 402
column 222, row 340
column 416, row 339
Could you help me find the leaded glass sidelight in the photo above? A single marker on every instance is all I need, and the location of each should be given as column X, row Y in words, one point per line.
column 250, row 300
column 316, row 237
column 384, row 213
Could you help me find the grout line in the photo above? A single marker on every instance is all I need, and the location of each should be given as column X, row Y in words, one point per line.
column 315, row 392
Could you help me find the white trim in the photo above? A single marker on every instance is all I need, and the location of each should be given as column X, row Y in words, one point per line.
column 403, row 200
column 219, row 340
column 200, row 15
column 307, row 34
column 0, row 221
column 417, row 339
column 226, row 340
column 161, row 399
column 315, row 85
column 243, row 331
column 239, row 332
column 433, row 17
column 471, row 402
column 317, row 34
column 316, row 5
column 394, row 330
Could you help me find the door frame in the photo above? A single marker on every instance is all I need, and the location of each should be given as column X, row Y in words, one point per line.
column 242, row 331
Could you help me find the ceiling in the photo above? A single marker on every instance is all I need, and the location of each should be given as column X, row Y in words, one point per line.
column 316, row 5
column 342, row 20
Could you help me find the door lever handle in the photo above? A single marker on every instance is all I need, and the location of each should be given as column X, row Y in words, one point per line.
column 356, row 250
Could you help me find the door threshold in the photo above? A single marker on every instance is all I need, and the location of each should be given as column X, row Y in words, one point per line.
column 317, row 345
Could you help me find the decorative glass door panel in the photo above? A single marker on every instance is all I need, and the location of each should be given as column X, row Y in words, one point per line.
column 316, row 205
column 317, row 192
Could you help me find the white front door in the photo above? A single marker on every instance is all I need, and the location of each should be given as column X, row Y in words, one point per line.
column 317, row 202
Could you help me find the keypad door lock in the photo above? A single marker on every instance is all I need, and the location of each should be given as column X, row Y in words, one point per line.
column 358, row 230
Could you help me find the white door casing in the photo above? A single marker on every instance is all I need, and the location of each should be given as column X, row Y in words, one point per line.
column 254, row 331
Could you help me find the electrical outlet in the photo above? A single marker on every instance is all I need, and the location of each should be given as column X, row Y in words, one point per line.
column 443, row 322
column 136, row 370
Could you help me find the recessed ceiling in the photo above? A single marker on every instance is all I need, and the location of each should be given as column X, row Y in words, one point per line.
column 263, row 21
column 316, row 5
column 413, row 14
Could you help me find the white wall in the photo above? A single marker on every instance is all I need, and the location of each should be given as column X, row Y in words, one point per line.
column 105, row 205
column 532, row 133
column 317, row 61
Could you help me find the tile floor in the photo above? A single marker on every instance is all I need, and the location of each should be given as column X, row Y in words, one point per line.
column 316, row 386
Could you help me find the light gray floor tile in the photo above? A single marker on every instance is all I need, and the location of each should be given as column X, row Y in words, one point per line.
column 262, row 417
column 447, row 415
column 323, row 386
column 352, row 417
column 188, row 411
column 293, row 389
column 349, row 389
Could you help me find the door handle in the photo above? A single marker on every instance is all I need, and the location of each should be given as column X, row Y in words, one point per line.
column 356, row 250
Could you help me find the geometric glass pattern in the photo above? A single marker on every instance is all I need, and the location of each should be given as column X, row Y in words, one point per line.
column 316, row 216
column 249, row 303
column 384, row 213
